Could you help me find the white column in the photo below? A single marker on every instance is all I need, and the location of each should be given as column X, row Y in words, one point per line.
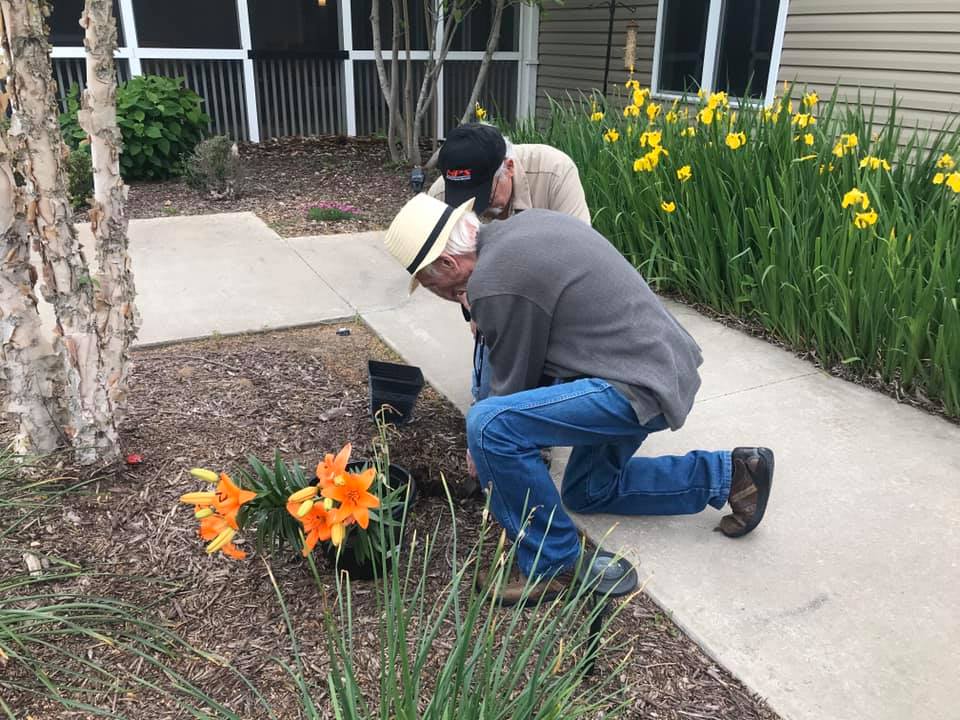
column 529, row 39
column 130, row 37
column 438, row 41
column 776, row 53
column 249, row 81
column 349, row 87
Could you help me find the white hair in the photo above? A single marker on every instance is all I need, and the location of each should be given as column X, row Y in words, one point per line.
column 461, row 241
column 511, row 154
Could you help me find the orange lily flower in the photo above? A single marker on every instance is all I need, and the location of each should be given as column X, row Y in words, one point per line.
column 350, row 490
column 332, row 467
column 229, row 499
column 316, row 523
column 213, row 527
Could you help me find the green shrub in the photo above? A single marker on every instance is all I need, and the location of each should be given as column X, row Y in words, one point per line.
column 79, row 177
column 761, row 229
column 214, row 167
column 160, row 121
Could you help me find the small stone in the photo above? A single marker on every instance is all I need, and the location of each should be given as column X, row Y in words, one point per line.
column 168, row 203
column 33, row 563
column 333, row 413
column 343, row 332
column 186, row 372
column 71, row 516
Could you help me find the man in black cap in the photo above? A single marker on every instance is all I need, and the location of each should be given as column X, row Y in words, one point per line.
column 477, row 162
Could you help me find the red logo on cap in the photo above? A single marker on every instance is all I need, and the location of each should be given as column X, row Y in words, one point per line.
column 459, row 175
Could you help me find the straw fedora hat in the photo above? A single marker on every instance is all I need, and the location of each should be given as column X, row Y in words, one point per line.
column 418, row 234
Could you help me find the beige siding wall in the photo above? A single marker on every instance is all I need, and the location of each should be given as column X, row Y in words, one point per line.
column 874, row 46
column 573, row 39
column 877, row 46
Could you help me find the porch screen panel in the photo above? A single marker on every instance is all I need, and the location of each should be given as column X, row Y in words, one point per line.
column 64, row 23
column 219, row 83
column 498, row 97
column 208, row 24
column 372, row 117
column 300, row 96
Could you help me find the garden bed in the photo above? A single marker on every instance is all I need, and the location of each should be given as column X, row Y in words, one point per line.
column 303, row 392
column 281, row 179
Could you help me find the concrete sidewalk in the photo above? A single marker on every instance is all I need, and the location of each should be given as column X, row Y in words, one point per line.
column 841, row 605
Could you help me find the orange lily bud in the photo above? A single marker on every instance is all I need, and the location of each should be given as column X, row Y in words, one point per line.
column 336, row 534
column 304, row 494
column 328, row 504
column 204, row 474
column 220, row 540
column 305, row 508
column 199, row 498
column 201, row 513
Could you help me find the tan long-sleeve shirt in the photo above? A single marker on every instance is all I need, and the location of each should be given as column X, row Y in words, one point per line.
column 544, row 178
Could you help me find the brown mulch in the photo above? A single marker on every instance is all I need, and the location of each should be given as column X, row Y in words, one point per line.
column 281, row 179
column 302, row 392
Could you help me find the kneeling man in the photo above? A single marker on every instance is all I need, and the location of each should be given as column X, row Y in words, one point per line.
column 583, row 354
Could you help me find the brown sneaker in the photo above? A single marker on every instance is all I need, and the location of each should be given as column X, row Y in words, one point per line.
column 518, row 589
column 749, row 490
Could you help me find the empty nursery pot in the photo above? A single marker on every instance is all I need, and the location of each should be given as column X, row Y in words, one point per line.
column 393, row 388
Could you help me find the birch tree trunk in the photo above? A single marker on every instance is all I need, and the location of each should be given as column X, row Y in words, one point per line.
column 117, row 318
column 67, row 284
column 31, row 374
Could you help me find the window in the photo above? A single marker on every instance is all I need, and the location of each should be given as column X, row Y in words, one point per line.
column 716, row 45
column 187, row 23
column 299, row 26
column 64, row 22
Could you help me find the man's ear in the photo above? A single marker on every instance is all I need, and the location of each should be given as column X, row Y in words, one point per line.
column 446, row 262
column 509, row 165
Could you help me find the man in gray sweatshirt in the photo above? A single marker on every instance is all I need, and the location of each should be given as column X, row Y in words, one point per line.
column 583, row 354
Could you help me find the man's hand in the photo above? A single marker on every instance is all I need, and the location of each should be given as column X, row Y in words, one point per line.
column 471, row 466
column 473, row 327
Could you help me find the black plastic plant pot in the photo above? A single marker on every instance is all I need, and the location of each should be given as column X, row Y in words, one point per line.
column 394, row 389
column 369, row 566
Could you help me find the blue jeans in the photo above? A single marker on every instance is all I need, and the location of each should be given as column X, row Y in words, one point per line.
column 505, row 435
column 480, row 377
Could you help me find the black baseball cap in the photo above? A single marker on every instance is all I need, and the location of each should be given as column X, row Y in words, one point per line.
column 469, row 159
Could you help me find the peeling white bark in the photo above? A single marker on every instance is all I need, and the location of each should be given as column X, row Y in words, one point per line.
column 67, row 283
column 31, row 374
column 117, row 317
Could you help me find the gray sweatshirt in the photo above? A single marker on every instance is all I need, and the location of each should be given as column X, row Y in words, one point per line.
column 554, row 298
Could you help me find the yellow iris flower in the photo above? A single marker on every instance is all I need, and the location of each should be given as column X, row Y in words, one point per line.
column 668, row 207
column 855, row 196
column 874, row 163
column 706, row 115
column 953, row 181
column 865, row 219
column 946, row 162
column 736, row 141
column 802, row 120
column 811, row 99
column 611, row 136
column 653, row 110
column 597, row 116
column 651, row 138
column 631, row 111
column 684, row 173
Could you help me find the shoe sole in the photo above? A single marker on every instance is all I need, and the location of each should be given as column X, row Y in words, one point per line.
column 763, row 493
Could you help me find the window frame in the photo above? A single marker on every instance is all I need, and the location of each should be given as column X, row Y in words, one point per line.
column 711, row 52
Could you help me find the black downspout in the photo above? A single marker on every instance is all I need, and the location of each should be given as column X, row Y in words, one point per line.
column 606, row 65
